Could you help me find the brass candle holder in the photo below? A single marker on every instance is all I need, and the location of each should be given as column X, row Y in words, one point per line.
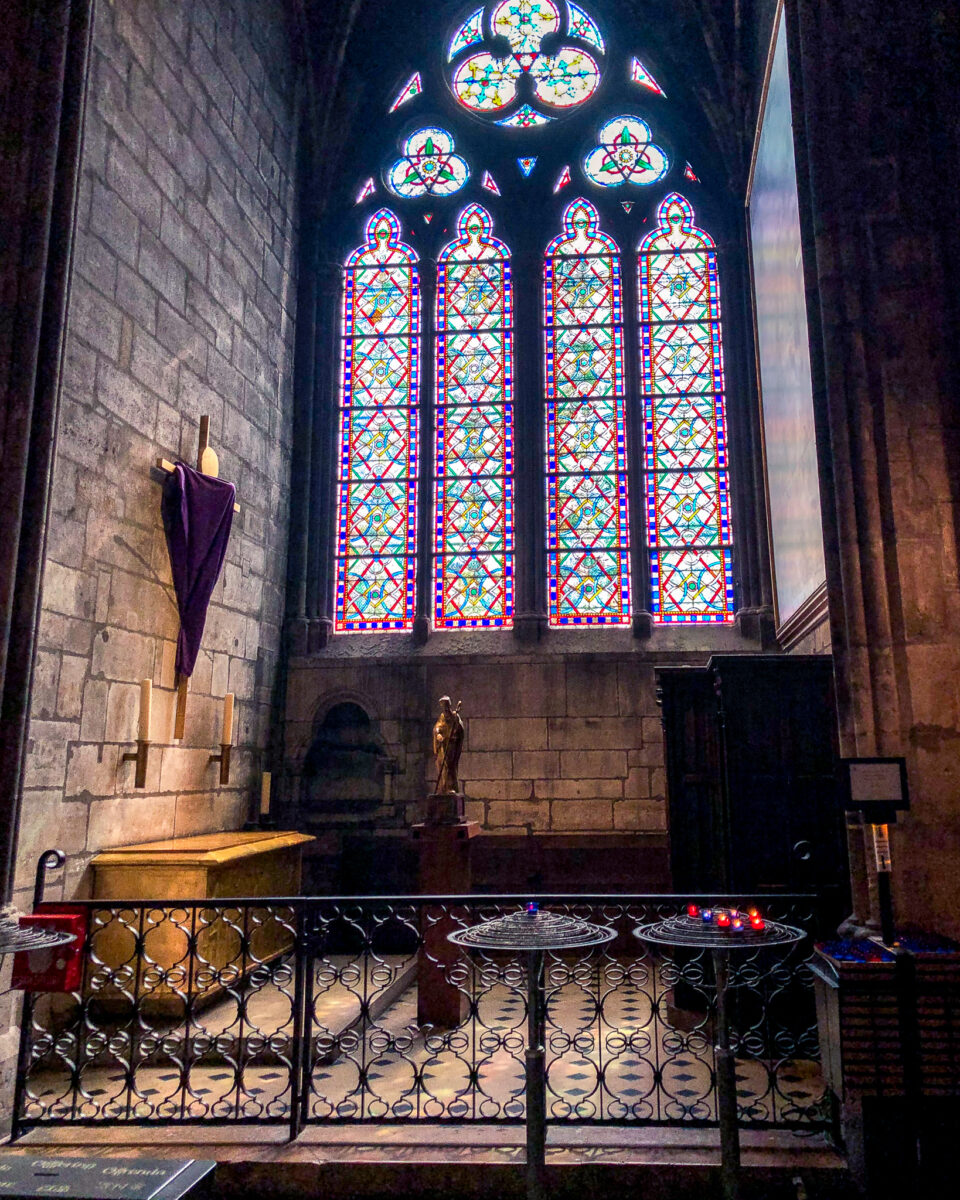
column 139, row 756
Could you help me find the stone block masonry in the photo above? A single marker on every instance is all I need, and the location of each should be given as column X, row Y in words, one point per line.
column 182, row 305
column 533, row 761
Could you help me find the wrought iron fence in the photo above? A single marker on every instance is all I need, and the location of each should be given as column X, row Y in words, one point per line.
column 303, row 1010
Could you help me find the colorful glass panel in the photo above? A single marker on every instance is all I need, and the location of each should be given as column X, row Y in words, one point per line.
column 625, row 154
column 490, row 183
column 585, row 27
column 588, row 541
column 688, row 173
column 413, row 87
column 640, row 74
column 379, row 404
column 469, row 32
column 366, row 190
column 524, row 118
column 685, row 435
column 473, row 523
column 485, row 82
column 562, row 180
column 526, row 165
column 428, row 166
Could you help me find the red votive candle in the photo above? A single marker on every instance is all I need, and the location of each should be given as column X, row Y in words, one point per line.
column 723, row 920
column 693, row 910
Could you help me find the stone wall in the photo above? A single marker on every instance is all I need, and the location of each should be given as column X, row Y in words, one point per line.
column 560, row 739
column 182, row 305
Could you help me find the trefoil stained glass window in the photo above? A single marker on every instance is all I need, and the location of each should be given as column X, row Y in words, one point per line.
column 377, row 485
column 562, row 77
column 473, row 526
column 687, row 489
column 588, row 570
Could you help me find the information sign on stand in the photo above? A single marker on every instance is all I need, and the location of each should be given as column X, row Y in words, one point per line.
column 876, row 788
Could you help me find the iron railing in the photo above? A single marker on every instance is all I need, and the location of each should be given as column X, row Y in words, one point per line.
column 305, row 1010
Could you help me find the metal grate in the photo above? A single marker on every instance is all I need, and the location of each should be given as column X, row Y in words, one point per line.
column 302, row 1010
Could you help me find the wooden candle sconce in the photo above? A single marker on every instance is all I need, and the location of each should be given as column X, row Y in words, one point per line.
column 226, row 740
column 207, row 464
column 223, row 758
column 139, row 756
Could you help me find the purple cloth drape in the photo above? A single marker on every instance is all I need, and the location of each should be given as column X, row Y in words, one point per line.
column 197, row 515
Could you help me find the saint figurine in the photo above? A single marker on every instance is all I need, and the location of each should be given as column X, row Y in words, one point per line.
column 447, row 744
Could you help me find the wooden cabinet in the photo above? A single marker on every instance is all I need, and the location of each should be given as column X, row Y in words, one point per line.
column 752, row 776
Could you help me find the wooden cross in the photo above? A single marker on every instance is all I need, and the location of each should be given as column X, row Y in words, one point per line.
column 207, row 464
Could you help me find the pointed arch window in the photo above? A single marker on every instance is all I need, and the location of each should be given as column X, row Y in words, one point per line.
column 687, row 488
column 588, row 539
column 379, row 394
column 625, row 439
column 473, row 514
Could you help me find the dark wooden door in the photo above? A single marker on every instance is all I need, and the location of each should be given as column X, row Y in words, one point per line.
column 752, row 775
column 698, row 859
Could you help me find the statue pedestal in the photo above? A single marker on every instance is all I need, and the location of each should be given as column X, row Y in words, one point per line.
column 444, row 871
column 444, row 808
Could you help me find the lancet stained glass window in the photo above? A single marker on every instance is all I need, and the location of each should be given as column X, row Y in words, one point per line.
column 473, row 534
column 377, row 487
column 685, row 436
column 587, row 527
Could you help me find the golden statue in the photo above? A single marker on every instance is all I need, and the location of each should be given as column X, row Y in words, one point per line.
column 447, row 744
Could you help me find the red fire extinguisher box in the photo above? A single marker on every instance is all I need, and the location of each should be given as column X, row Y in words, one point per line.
column 58, row 968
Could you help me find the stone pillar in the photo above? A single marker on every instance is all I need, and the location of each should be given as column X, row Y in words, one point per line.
column 444, row 871
column 883, row 163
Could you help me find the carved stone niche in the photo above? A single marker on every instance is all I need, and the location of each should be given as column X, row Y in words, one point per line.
column 346, row 768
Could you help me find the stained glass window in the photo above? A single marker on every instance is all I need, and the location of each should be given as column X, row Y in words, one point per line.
column 640, row 74
column 469, row 32
column 587, row 529
column 429, row 166
column 413, row 87
column 685, row 436
column 485, row 82
column 377, row 486
column 525, row 117
column 625, row 153
column 473, row 534
column 585, row 27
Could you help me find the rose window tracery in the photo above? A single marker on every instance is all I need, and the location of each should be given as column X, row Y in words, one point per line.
column 561, row 77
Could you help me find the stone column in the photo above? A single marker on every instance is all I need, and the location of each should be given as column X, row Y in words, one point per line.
column 879, row 106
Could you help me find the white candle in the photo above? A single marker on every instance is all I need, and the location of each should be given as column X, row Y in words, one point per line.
column 265, row 794
column 226, row 737
column 146, row 706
